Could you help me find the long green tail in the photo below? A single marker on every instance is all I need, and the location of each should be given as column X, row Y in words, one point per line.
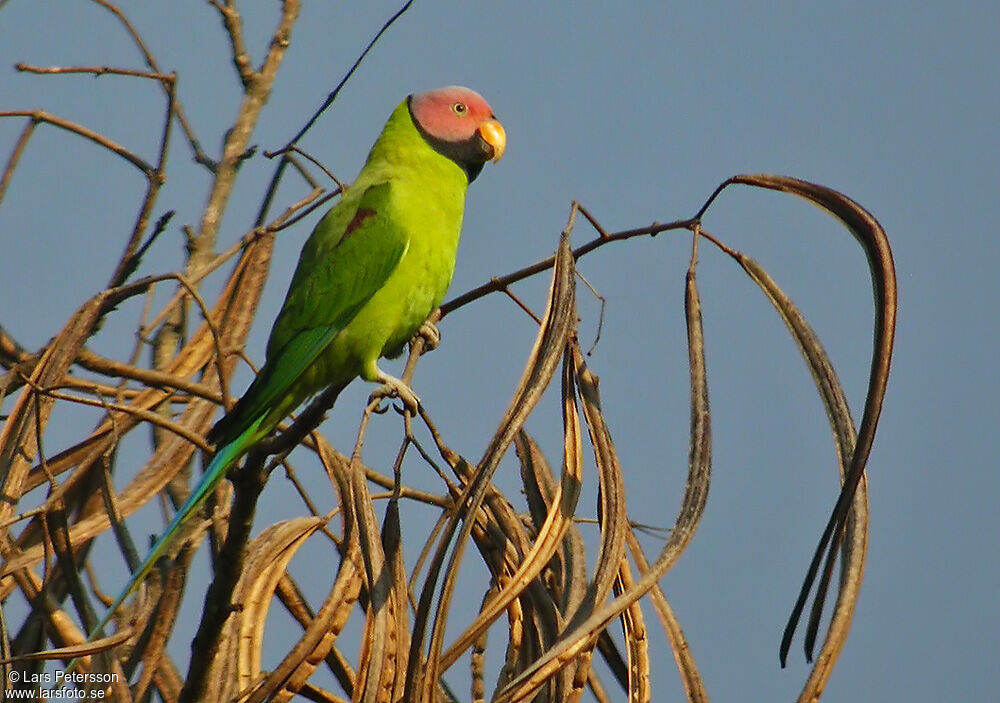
column 224, row 458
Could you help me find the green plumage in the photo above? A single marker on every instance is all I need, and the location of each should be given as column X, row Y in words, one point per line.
column 374, row 268
column 371, row 272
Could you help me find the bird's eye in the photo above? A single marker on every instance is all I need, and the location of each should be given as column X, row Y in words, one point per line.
column 459, row 108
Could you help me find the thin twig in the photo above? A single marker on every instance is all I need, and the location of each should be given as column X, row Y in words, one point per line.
column 282, row 164
column 600, row 316
column 145, row 415
column 498, row 283
column 329, row 174
column 15, row 156
column 41, row 116
column 510, row 294
column 199, row 155
column 234, row 30
column 95, row 70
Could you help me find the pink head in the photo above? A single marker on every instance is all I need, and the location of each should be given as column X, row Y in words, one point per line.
column 458, row 123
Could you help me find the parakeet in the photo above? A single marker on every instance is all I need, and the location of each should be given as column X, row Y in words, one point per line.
column 376, row 265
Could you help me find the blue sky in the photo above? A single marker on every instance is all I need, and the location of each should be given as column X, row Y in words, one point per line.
column 638, row 111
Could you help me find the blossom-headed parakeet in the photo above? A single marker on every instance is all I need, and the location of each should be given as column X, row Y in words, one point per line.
column 377, row 264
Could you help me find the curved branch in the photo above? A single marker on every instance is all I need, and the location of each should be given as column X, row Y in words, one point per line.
column 500, row 283
column 74, row 128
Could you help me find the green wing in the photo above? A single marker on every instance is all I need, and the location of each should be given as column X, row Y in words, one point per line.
column 347, row 259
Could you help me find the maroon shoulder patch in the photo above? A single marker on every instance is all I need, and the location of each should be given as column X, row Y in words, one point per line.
column 360, row 216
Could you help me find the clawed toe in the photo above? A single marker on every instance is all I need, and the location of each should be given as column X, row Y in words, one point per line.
column 393, row 387
column 431, row 336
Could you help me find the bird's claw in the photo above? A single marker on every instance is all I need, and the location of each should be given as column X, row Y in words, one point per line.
column 393, row 387
column 431, row 336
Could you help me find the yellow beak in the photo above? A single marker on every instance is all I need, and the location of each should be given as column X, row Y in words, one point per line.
column 492, row 133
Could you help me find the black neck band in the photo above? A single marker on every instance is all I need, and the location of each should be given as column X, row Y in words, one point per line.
column 470, row 154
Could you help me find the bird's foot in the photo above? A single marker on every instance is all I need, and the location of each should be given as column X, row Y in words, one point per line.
column 430, row 334
column 393, row 387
